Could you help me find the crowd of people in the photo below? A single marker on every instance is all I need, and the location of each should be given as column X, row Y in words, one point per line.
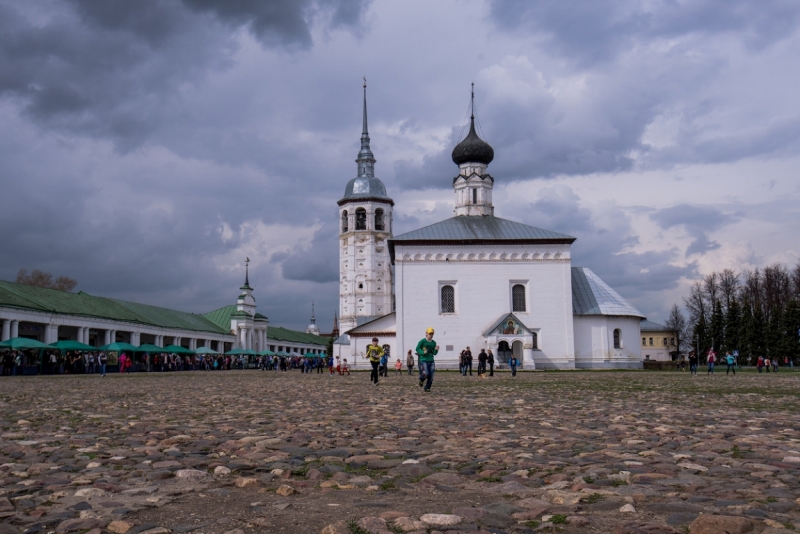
column 731, row 362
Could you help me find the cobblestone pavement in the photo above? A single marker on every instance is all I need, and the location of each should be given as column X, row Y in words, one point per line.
column 240, row 452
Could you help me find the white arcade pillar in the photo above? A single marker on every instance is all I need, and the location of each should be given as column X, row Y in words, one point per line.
column 14, row 329
column 6, row 334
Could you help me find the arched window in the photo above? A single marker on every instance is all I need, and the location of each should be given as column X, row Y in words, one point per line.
column 518, row 298
column 344, row 221
column 448, row 295
column 475, row 195
column 379, row 219
column 361, row 219
column 360, row 285
column 617, row 338
column 535, row 342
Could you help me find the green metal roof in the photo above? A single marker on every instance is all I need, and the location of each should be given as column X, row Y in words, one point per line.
column 277, row 333
column 23, row 296
column 222, row 316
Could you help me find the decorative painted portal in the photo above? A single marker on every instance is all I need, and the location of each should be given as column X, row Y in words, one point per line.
column 509, row 336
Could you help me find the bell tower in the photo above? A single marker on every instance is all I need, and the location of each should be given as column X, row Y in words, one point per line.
column 473, row 185
column 365, row 225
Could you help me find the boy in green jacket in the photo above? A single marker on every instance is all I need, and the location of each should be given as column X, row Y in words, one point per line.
column 426, row 350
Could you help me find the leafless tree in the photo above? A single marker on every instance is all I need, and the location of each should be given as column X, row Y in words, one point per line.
column 677, row 323
column 711, row 289
column 729, row 287
column 44, row 279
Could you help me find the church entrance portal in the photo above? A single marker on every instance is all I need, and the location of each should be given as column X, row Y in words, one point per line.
column 503, row 352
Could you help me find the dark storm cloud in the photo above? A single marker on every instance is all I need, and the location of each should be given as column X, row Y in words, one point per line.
column 697, row 221
column 604, row 248
column 114, row 69
column 318, row 262
column 590, row 31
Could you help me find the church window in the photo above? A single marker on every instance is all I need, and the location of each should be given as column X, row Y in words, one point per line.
column 644, row 342
column 344, row 221
column 651, row 341
column 475, row 195
column 617, row 338
column 361, row 219
column 535, row 341
column 360, row 285
column 448, row 296
column 518, row 298
column 379, row 219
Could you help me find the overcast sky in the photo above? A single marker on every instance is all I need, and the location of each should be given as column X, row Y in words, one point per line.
column 148, row 147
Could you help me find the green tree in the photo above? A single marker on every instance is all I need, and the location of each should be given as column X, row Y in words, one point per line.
column 791, row 335
column 733, row 326
column 758, row 332
column 717, row 328
column 702, row 337
column 746, row 336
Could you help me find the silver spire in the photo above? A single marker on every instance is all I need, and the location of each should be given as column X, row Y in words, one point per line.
column 366, row 160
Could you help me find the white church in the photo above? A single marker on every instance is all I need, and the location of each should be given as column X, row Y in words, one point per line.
column 480, row 281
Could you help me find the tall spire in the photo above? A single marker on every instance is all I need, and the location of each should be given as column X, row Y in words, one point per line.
column 246, row 273
column 313, row 319
column 472, row 104
column 366, row 161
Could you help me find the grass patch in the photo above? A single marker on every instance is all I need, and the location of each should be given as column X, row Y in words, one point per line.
column 593, row 498
column 531, row 524
column 618, row 483
column 354, row 528
column 387, row 485
column 559, row 519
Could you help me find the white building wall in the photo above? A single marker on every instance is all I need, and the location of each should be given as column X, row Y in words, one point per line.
column 594, row 342
column 482, row 277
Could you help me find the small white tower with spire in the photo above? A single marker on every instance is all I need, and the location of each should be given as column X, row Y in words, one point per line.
column 365, row 225
column 312, row 327
column 473, row 185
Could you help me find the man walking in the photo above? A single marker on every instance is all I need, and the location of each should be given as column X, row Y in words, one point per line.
column 374, row 353
column 426, row 350
column 693, row 363
column 512, row 362
column 482, row 357
column 468, row 362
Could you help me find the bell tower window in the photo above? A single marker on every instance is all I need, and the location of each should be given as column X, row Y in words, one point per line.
column 474, row 195
column 379, row 219
column 361, row 219
column 344, row 221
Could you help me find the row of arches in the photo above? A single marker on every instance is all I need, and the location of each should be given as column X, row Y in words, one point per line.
column 484, row 256
column 361, row 220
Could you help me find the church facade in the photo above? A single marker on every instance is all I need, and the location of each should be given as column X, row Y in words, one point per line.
column 480, row 281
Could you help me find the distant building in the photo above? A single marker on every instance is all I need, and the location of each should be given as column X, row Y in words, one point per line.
column 658, row 342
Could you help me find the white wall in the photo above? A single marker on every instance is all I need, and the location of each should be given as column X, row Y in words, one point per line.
column 594, row 342
column 483, row 295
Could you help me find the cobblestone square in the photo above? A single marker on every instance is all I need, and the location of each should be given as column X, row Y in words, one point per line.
column 251, row 451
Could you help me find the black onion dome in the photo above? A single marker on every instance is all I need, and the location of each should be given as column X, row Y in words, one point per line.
column 473, row 148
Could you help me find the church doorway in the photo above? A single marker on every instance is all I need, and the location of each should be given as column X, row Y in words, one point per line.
column 516, row 349
column 503, row 352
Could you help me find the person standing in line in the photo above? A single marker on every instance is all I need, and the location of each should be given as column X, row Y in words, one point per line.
column 731, row 362
column 482, row 357
column 427, row 349
column 512, row 362
column 693, row 363
column 712, row 357
column 490, row 361
column 374, row 353
column 410, row 362
column 398, row 366
column 468, row 363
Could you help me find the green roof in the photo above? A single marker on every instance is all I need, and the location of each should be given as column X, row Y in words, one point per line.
column 27, row 297
column 222, row 316
column 276, row 333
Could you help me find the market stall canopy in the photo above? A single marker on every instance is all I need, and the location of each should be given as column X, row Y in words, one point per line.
column 266, row 353
column 19, row 343
column 206, row 350
column 235, row 352
column 118, row 347
column 148, row 348
column 178, row 350
column 68, row 344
